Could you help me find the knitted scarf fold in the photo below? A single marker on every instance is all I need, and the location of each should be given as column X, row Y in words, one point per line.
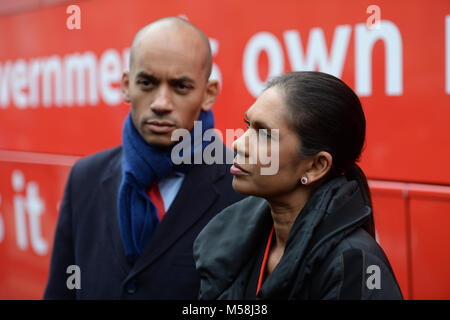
column 142, row 165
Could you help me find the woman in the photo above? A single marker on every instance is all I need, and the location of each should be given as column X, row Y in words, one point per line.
column 306, row 232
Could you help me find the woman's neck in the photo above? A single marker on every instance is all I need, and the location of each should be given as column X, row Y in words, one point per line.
column 285, row 210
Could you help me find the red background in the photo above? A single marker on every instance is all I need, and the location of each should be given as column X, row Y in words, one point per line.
column 408, row 137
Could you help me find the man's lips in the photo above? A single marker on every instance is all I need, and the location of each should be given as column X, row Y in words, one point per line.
column 160, row 126
column 236, row 169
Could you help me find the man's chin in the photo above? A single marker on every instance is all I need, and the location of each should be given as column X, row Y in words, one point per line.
column 159, row 141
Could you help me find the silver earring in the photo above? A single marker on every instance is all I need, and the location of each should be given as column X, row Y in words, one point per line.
column 304, row 180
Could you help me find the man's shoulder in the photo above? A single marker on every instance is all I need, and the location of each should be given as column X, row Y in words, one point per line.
column 97, row 163
column 101, row 158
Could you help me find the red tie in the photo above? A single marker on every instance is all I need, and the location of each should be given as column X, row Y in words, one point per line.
column 155, row 197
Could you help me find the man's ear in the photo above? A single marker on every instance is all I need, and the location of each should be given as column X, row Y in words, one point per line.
column 211, row 92
column 319, row 166
column 125, row 86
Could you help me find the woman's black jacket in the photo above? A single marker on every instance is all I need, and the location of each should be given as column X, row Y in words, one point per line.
column 328, row 254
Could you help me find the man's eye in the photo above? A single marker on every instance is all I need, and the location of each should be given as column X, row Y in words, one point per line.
column 247, row 123
column 144, row 83
column 182, row 87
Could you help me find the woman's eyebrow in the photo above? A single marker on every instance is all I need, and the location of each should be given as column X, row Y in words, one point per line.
column 258, row 123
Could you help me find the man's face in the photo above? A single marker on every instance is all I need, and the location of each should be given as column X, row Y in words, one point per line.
column 167, row 84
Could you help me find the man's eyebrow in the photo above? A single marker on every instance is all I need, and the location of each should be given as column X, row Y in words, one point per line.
column 145, row 75
column 182, row 79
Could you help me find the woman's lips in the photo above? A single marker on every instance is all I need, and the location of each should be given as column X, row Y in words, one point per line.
column 235, row 169
column 160, row 126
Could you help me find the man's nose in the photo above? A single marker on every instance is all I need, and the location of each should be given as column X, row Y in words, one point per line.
column 162, row 102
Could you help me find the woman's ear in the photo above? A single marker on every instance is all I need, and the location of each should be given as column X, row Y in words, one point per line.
column 125, row 86
column 211, row 92
column 320, row 165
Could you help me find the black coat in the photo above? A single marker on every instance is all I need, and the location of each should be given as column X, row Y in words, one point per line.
column 88, row 235
column 328, row 254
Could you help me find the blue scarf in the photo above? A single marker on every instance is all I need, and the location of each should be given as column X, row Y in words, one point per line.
column 142, row 165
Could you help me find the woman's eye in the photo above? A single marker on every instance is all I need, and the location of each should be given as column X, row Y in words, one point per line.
column 266, row 132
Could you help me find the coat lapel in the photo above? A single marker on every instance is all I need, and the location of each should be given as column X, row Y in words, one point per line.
column 194, row 198
column 109, row 194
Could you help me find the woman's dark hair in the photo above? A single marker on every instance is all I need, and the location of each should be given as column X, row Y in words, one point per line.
column 327, row 116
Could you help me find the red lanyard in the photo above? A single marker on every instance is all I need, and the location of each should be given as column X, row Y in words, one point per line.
column 263, row 266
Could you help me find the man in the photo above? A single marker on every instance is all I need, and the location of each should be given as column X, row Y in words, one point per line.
column 129, row 215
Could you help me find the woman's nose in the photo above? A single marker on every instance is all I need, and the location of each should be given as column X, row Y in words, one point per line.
column 240, row 147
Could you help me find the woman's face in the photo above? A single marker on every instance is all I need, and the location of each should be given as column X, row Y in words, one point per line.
column 268, row 128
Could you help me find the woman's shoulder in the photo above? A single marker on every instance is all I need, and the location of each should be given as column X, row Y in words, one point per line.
column 250, row 202
column 247, row 208
column 235, row 221
column 357, row 244
column 362, row 240
column 227, row 242
column 360, row 270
